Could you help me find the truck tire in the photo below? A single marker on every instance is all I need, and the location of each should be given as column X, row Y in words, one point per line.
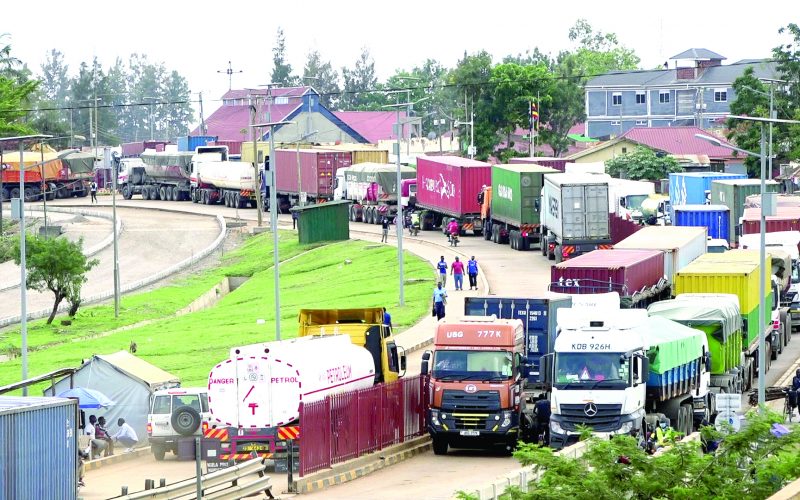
column 51, row 191
column 162, row 193
column 439, row 446
column 4, row 194
column 14, row 192
column 688, row 417
column 185, row 420
column 126, row 192
column 557, row 255
column 61, row 191
column 786, row 333
column 30, row 195
column 237, row 201
column 159, row 452
column 145, row 193
column 543, row 242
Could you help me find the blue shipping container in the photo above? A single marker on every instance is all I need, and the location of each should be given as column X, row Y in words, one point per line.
column 192, row 142
column 39, row 453
column 538, row 317
column 689, row 188
column 715, row 217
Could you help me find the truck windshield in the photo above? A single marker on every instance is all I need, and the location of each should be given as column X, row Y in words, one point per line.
column 474, row 365
column 796, row 273
column 634, row 201
column 584, row 370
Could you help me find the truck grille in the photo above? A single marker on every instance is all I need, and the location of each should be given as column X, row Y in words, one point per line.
column 470, row 420
column 459, row 400
column 605, row 419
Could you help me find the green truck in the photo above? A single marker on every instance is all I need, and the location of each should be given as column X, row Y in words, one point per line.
column 510, row 207
column 737, row 272
column 718, row 316
column 732, row 194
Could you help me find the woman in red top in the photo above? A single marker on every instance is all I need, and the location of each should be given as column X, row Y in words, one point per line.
column 457, row 270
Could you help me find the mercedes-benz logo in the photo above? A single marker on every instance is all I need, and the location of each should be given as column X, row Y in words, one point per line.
column 590, row 409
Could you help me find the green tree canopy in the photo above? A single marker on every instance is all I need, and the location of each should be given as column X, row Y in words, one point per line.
column 16, row 92
column 325, row 80
column 642, row 164
column 281, row 69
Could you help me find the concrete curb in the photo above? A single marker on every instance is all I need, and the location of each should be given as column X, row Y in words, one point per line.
column 114, row 459
column 137, row 284
column 359, row 467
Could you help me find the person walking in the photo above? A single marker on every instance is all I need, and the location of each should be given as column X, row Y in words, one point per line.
column 442, row 267
column 93, row 191
column 125, row 435
column 295, row 217
column 472, row 272
column 387, row 320
column 385, row 233
column 457, row 270
column 439, row 301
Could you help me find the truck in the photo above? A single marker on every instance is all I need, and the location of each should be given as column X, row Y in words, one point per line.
column 719, row 317
column 306, row 173
column 55, row 177
column 681, row 245
column 216, row 179
column 621, row 371
column 656, row 210
column 511, row 205
column 715, row 218
column 733, row 194
column 694, row 188
column 636, row 275
column 738, row 272
column 163, row 175
column 448, row 187
column 254, row 396
column 574, row 216
column 538, row 316
column 373, row 189
column 626, row 197
column 476, row 378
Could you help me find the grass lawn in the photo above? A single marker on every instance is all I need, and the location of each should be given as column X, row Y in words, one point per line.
column 190, row 345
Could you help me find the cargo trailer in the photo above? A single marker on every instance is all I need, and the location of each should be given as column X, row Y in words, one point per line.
column 786, row 218
column 694, row 188
column 372, row 187
column 733, row 194
column 559, row 164
column 216, row 179
column 190, row 143
column 162, row 175
column 681, row 245
column 715, row 218
column 306, row 173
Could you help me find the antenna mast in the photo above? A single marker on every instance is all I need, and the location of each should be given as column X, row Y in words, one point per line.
column 230, row 71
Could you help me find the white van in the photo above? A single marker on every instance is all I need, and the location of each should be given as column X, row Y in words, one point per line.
column 176, row 413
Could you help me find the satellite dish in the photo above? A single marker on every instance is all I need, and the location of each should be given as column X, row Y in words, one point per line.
column 431, row 135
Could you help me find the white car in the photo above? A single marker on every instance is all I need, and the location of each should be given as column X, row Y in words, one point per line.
column 174, row 414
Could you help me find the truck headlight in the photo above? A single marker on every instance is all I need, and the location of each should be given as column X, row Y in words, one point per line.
column 626, row 427
column 556, row 428
column 506, row 419
column 435, row 418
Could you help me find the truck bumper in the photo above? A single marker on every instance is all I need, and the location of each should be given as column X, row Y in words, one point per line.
column 563, row 433
column 474, row 429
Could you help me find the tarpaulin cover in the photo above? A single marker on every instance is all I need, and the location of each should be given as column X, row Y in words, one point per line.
column 694, row 311
column 671, row 344
column 79, row 163
column 181, row 159
column 358, row 178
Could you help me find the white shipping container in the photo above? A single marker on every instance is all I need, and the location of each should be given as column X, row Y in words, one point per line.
column 681, row 245
column 575, row 206
column 262, row 385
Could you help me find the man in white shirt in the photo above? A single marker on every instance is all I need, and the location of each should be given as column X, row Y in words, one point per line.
column 95, row 445
column 126, row 435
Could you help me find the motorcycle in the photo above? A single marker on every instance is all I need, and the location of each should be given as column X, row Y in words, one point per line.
column 453, row 240
column 413, row 229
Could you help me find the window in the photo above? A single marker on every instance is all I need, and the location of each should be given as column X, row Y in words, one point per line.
column 616, row 99
column 720, row 95
column 663, row 97
column 615, row 122
column 641, row 123
column 624, row 150
column 641, row 98
column 161, row 405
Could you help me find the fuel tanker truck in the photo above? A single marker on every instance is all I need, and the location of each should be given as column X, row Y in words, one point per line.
column 373, row 189
column 215, row 179
column 621, row 371
column 255, row 396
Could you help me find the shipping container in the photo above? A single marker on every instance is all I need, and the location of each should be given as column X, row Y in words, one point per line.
column 681, row 245
column 603, row 271
column 192, row 142
column 538, row 317
column 786, row 218
column 234, row 147
column 361, row 153
column 317, row 170
column 132, row 149
column 516, row 193
column 694, row 188
column 715, row 218
column 450, row 185
column 733, row 194
column 782, row 200
column 559, row 164
column 39, row 452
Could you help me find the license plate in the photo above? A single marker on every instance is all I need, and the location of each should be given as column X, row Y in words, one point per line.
column 470, row 433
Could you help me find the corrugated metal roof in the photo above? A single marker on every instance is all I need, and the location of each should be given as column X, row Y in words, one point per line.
column 227, row 122
column 698, row 54
column 677, row 140
column 725, row 74
column 372, row 125
column 276, row 92
column 138, row 368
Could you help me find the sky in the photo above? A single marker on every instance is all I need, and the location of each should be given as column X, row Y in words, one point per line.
column 198, row 38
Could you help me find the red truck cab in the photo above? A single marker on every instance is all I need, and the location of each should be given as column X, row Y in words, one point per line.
column 475, row 383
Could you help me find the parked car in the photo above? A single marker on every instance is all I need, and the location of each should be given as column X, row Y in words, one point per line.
column 175, row 413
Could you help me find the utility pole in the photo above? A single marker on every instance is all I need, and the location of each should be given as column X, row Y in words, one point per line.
column 23, row 274
column 254, row 131
column 203, row 130
column 230, row 71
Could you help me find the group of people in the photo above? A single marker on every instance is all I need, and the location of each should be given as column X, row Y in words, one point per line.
column 456, row 269
column 102, row 441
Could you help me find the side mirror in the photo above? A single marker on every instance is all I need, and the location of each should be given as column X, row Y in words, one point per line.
column 546, row 369
column 645, row 368
column 536, row 204
column 426, row 357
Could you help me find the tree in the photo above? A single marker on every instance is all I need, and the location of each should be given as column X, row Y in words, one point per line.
column 751, row 99
column 754, row 463
column 325, row 80
column 787, row 99
column 55, row 80
column 361, row 89
column 16, row 92
column 58, row 265
column 642, row 164
column 282, row 70
column 470, row 79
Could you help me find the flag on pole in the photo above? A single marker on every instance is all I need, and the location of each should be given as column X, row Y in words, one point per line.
column 534, row 116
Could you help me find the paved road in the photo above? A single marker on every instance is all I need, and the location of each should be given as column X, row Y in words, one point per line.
column 151, row 241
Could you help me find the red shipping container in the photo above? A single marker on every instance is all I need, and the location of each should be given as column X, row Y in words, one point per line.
column 786, row 218
column 450, row 184
column 234, row 147
column 600, row 271
column 556, row 163
column 132, row 149
column 317, row 170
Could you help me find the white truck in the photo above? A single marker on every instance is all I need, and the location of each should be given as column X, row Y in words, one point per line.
column 216, row 179
column 620, row 371
column 373, row 189
column 574, row 215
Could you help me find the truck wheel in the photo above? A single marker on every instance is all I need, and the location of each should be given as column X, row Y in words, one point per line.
column 439, row 446
column 237, row 201
column 126, row 192
column 159, row 452
column 162, row 193
column 14, row 192
column 51, row 191
column 193, row 195
column 557, row 255
column 688, row 416
column 785, row 333
column 4, row 194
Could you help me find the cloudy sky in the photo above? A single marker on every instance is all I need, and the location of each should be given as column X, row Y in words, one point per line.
column 198, row 38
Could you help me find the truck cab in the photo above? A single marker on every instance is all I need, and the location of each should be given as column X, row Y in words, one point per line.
column 476, row 380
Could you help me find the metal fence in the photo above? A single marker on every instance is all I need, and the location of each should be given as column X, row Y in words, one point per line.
column 348, row 425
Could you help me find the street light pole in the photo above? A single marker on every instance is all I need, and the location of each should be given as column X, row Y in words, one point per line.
column 762, row 255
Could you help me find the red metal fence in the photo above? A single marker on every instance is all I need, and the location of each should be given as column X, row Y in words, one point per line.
column 351, row 424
